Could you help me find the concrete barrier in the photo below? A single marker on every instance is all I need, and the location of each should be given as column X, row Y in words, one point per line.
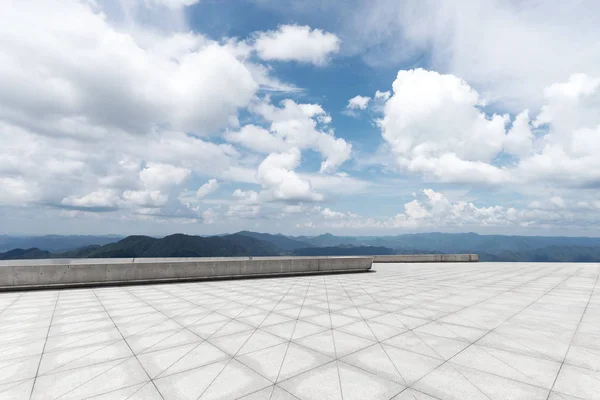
column 426, row 258
column 56, row 273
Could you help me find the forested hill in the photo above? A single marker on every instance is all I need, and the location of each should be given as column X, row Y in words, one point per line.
column 245, row 243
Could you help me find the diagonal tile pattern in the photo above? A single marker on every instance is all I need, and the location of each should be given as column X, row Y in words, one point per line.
column 407, row 331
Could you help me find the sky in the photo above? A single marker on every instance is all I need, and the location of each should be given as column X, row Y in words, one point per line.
column 356, row 117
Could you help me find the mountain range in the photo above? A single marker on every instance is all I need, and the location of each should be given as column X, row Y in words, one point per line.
column 246, row 243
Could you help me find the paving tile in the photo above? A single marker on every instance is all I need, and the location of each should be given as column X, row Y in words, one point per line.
column 260, row 340
column 358, row 384
column 375, row 360
column 453, row 331
column 299, row 359
column 200, row 355
column 317, row 384
column 158, row 361
column 266, row 362
column 346, row 343
column 321, row 342
column 578, row 382
column 522, row 368
column 16, row 390
column 190, row 384
column 19, row 369
column 69, row 359
column 235, row 381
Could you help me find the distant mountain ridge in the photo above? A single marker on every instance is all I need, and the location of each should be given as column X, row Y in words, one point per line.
column 246, row 243
column 55, row 243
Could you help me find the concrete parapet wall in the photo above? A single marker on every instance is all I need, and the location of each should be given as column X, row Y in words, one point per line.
column 88, row 272
column 426, row 258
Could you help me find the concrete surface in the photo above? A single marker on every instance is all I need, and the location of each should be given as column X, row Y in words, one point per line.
column 408, row 331
column 424, row 258
column 74, row 272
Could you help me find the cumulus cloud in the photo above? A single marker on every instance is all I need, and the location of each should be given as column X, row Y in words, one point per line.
column 379, row 95
column 163, row 80
column 244, row 211
column 101, row 116
column 568, row 153
column 328, row 213
column 502, row 47
column 279, row 180
column 157, row 175
column 16, row 191
column 105, row 199
column 296, row 43
column 358, row 103
column 434, row 125
column 433, row 210
column 209, row 216
column 246, row 196
column 302, row 126
column 145, row 198
column 257, row 139
column 175, row 4
column 209, row 187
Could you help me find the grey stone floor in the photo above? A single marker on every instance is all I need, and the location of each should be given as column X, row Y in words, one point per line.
column 412, row 331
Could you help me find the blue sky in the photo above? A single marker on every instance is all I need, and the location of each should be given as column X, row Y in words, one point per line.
column 359, row 117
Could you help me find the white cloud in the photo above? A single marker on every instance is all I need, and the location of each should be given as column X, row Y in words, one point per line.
column 382, row 95
column 243, row 211
column 296, row 43
column 328, row 213
column 257, row 139
column 246, row 196
column 100, row 199
column 209, row 216
column 358, row 102
column 157, row 175
column 167, row 79
column 145, row 198
column 279, row 180
column 300, row 126
column 16, row 191
column 209, row 187
column 434, row 126
column 175, row 4
column 435, row 211
column 568, row 153
column 504, row 48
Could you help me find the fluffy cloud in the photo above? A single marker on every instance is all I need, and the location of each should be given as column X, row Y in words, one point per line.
column 175, row 4
column 209, row 187
column 99, row 117
column 246, row 196
column 436, row 125
column 279, row 180
column 157, row 175
column 16, row 191
column 145, row 198
column 502, row 47
column 99, row 200
column 159, row 79
column 433, row 210
column 379, row 95
column 257, row 139
column 297, row 43
column 358, row 102
column 568, row 153
column 244, row 211
column 302, row 126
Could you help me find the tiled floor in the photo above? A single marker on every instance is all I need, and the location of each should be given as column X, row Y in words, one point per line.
column 428, row 331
